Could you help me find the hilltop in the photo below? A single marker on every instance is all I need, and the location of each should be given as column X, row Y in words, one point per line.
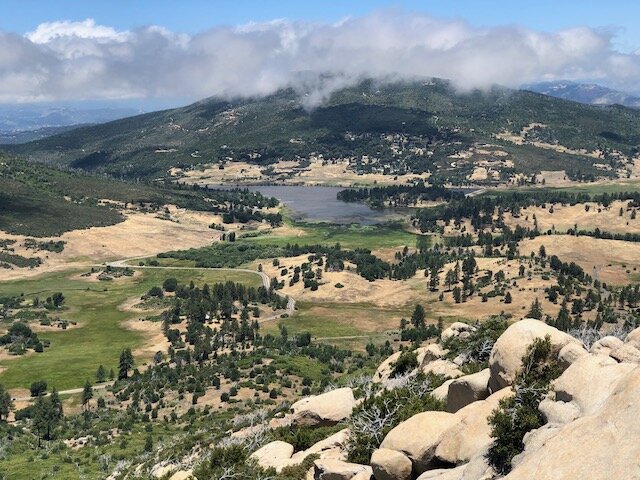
column 393, row 129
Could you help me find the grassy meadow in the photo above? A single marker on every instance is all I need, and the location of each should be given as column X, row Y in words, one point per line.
column 76, row 353
column 348, row 236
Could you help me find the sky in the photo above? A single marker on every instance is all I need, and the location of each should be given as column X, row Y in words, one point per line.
column 71, row 50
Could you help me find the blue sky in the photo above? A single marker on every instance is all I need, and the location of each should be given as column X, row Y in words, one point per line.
column 193, row 16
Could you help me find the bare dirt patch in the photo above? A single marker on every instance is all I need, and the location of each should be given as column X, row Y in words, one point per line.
column 155, row 340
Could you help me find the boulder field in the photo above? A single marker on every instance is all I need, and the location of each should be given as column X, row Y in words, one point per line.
column 592, row 415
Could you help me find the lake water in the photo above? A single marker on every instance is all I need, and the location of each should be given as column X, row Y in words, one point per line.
column 319, row 204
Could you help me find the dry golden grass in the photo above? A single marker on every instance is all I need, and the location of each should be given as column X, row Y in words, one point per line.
column 588, row 216
column 612, row 261
column 140, row 235
column 355, row 288
column 336, row 173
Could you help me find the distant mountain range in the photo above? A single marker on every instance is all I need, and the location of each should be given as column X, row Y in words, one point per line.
column 23, row 118
column 588, row 93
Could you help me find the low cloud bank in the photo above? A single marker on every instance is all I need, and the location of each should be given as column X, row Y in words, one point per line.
column 61, row 61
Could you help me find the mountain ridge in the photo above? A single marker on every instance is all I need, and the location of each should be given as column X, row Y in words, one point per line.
column 352, row 123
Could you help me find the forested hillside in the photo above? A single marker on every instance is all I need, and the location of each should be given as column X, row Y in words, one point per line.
column 398, row 127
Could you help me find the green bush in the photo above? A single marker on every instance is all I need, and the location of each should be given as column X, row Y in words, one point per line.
column 304, row 437
column 407, row 361
column 519, row 414
column 477, row 346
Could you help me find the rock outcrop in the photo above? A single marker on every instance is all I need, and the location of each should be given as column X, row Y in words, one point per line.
column 596, row 446
column 588, row 382
column 570, row 353
column 442, row 392
column 472, row 433
column 182, row 475
column 331, row 447
column 324, row 410
column 339, row 470
column 275, row 455
column 456, row 329
column 384, row 370
column 442, row 367
column 626, row 353
column 428, row 354
column 605, row 345
column 390, row 465
column 419, row 436
column 468, row 389
column 506, row 356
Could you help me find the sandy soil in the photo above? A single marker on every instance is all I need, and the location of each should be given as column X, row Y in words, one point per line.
column 565, row 217
column 610, row 261
column 155, row 338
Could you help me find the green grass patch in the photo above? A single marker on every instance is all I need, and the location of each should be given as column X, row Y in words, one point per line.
column 301, row 366
column 348, row 236
column 327, row 320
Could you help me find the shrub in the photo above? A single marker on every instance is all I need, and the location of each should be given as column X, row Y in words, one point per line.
column 38, row 388
column 170, row 284
column 303, row 437
column 405, row 363
column 519, row 414
column 379, row 413
column 477, row 347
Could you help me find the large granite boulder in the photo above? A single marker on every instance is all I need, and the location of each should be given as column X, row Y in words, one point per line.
column 324, row 410
column 506, row 356
column 419, row 436
column 390, row 465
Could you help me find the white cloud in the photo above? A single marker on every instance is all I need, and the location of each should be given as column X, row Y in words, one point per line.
column 49, row 31
column 82, row 60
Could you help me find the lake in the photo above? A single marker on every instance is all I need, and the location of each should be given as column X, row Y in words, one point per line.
column 319, row 204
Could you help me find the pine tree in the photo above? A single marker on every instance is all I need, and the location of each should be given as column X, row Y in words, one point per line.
column 448, row 279
column 457, row 294
column 148, row 444
column 6, row 403
column 87, row 394
column 418, row 316
column 563, row 320
column 434, row 279
column 47, row 413
column 536, row 310
column 126, row 363
column 101, row 374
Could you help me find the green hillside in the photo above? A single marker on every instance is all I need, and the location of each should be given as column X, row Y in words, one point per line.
column 43, row 200
column 264, row 130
